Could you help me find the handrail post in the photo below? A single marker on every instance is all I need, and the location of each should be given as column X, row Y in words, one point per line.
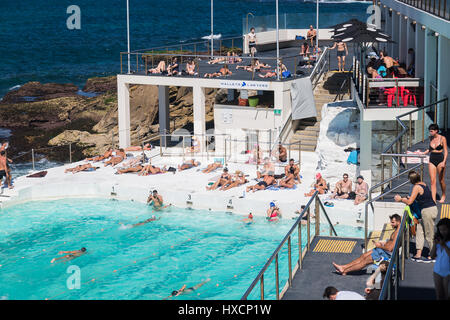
column 70, row 153
column 300, row 255
column 32, row 158
column 290, row 261
column 308, row 223
column 382, row 172
column 277, row 283
column 317, row 215
column 262, row 286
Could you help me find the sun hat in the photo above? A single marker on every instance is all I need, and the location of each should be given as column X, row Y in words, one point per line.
column 318, row 175
column 272, row 204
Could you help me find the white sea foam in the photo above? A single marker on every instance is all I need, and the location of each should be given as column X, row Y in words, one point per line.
column 215, row 37
column 15, row 87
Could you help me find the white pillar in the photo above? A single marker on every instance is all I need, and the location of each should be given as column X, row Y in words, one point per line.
column 199, row 109
column 365, row 144
column 443, row 81
column 123, row 104
column 282, row 102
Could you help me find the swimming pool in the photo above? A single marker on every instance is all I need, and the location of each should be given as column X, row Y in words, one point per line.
column 145, row 262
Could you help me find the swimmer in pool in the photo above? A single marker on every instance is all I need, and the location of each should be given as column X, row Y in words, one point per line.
column 153, row 218
column 184, row 290
column 273, row 212
column 70, row 254
column 155, row 199
column 249, row 219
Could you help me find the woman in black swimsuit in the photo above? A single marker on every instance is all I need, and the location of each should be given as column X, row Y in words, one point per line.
column 438, row 158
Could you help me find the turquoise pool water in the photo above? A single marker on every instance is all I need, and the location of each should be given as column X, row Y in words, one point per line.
column 145, row 262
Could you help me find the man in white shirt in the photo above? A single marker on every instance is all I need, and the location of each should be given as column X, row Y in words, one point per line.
column 331, row 293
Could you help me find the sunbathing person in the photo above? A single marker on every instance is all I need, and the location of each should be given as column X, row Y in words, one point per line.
column 343, row 188
column 236, row 181
column 212, row 167
column 117, row 157
column 82, row 167
column 320, row 185
column 188, row 165
column 160, row 68
column 262, row 185
column 217, row 60
column 382, row 251
column 267, row 167
column 173, row 68
column 136, row 168
column 236, row 58
column 224, row 71
column 70, row 255
column 293, row 169
column 288, row 182
column 106, row 155
column 147, row 147
column 224, row 180
column 150, row 169
column 190, row 68
column 268, row 74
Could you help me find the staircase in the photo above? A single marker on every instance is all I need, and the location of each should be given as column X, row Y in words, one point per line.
column 307, row 130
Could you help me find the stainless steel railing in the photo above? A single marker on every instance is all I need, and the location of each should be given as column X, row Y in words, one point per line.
column 287, row 239
column 396, row 268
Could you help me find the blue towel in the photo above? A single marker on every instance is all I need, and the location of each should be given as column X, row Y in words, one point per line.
column 353, row 157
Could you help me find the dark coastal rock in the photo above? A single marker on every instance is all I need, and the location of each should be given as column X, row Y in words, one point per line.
column 91, row 123
column 36, row 91
column 101, row 84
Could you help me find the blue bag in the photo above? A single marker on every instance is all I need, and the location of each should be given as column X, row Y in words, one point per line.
column 286, row 74
column 353, row 157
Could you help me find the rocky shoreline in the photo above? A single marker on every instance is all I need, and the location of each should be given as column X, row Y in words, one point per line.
column 48, row 115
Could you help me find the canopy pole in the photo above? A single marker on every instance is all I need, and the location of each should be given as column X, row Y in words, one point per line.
column 317, row 26
column 278, row 45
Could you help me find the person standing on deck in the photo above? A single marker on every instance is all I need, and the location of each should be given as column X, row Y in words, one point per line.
column 252, row 41
column 438, row 159
column 428, row 213
column 441, row 251
column 4, row 170
column 342, row 51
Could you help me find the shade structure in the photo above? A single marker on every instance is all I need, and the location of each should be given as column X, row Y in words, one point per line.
column 349, row 23
column 360, row 34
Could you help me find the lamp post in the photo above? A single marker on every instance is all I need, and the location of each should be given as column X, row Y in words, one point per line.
column 317, row 25
column 128, row 34
column 278, row 45
column 212, row 28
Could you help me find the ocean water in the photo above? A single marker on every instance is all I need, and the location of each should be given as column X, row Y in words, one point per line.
column 145, row 262
column 36, row 45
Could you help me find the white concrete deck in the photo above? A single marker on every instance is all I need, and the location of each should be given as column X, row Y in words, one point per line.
column 176, row 188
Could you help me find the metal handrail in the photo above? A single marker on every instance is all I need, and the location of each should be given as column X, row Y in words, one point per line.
column 392, row 274
column 186, row 44
column 315, row 74
column 383, row 194
column 297, row 225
